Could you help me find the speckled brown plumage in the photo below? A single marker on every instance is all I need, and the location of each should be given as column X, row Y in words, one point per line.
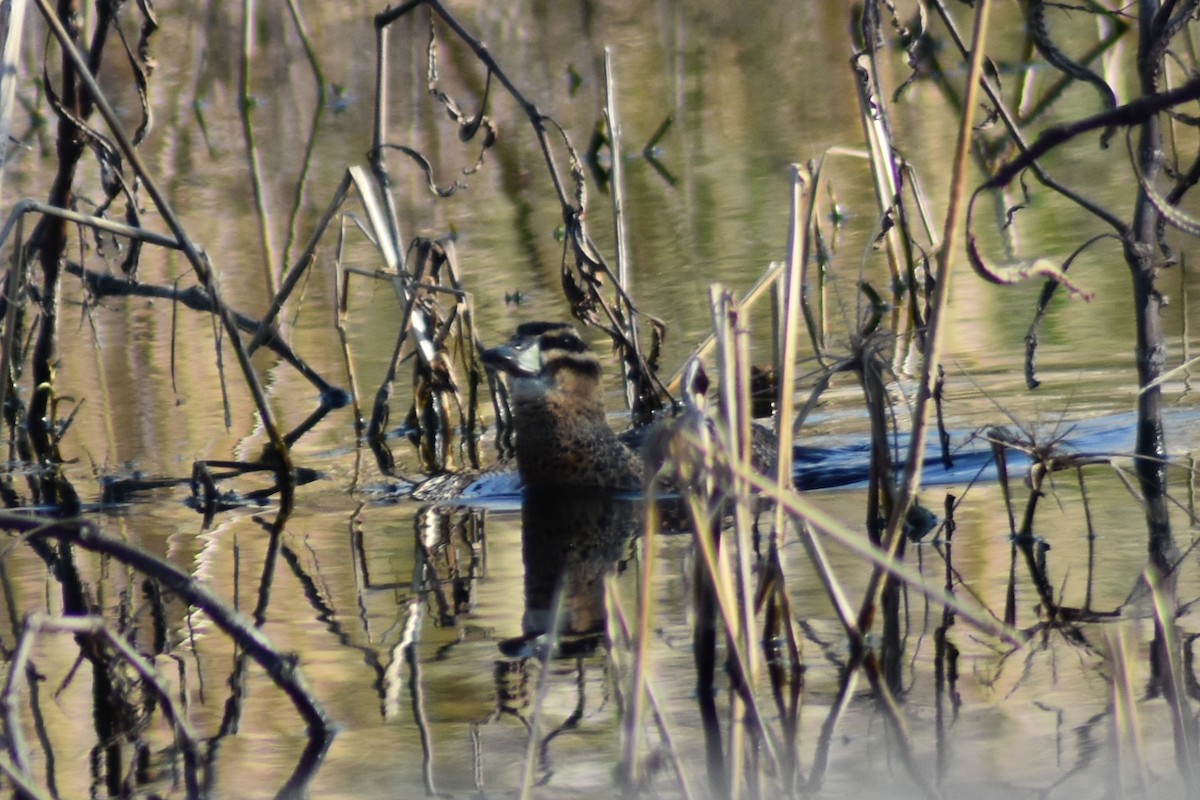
column 562, row 435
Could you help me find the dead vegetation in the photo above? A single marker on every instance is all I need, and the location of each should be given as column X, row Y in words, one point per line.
column 748, row 638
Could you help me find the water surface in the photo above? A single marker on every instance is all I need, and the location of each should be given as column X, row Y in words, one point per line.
column 405, row 622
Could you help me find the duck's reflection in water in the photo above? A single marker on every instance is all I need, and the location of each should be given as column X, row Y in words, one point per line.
column 570, row 540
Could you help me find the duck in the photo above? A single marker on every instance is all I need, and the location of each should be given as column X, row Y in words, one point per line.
column 562, row 436
column 563, row 439
column 564, row 442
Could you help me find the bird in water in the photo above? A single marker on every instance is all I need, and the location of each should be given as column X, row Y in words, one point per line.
column 563, row 440
column 562, row 433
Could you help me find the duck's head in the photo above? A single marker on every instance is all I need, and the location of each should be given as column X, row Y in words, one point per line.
column 547, row 358
column 562, row 434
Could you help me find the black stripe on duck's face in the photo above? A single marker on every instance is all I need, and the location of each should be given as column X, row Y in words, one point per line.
column 542, row 348
column 567, row 341
column 583, row 363
column 529, row 330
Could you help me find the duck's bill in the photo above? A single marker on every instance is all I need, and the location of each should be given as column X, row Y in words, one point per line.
column 505, row 358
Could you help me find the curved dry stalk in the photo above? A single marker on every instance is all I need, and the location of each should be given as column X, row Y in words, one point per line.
column 1048, row 292
column 1012, row 274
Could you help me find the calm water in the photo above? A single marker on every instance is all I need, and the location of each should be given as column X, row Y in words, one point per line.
column 407, row 626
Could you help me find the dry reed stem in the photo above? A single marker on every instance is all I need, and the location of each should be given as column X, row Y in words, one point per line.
column 746, row 550
column 14, row 26
column 618, row 173
column 803, row 224
column 618, row 169
column 792, row 308
column 1183, row 723
column 616, row 614
column 799, row 506
column 733, row 375
column 880, row 148
column 246, row 106
column 391, row 244
column 1125, row 730
column 935, row 330
column 624, row 273
column 641, row 655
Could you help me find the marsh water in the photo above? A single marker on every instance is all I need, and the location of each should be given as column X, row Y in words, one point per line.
column 414, row 627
